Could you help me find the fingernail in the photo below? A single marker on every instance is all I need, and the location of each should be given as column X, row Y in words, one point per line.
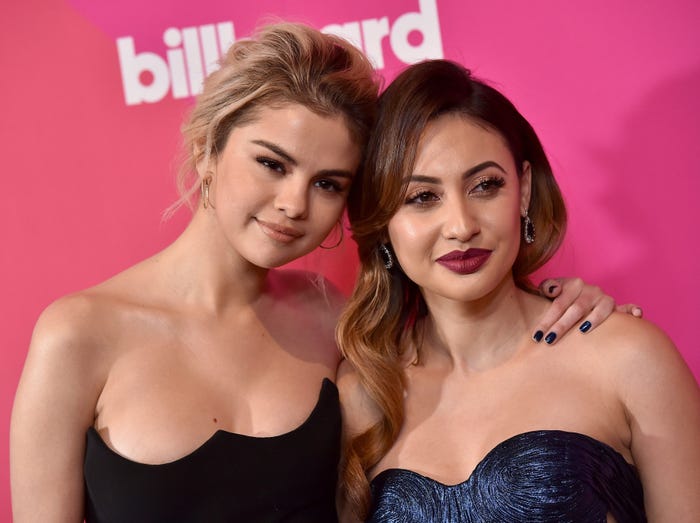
column 538, row 336
column 585, row 326
column 551, row 289
column 549, row 339
column 637, row 312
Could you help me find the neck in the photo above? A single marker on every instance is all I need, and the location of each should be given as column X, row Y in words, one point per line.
column 206, row 272
column 479, row 334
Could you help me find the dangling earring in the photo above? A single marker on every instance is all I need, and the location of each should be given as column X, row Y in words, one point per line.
column 385, row 253
column 528, row 229
column 206, row 182
column 340, row 240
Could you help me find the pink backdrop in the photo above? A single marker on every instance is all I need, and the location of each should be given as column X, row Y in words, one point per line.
column 611, row 86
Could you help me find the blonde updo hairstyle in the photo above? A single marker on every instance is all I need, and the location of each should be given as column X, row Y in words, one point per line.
column 282, row 63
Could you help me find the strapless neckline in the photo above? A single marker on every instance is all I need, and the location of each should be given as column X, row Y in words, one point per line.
column 222, row 435
column 506, row 442
column 285, row 478
column 540, row 476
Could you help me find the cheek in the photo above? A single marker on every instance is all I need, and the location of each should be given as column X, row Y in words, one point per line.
column 409, row 237
column 326, row 211
column 505, row 220
column 401, row 232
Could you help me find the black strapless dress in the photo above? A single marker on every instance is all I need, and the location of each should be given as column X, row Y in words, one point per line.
column 231, row 477
column 546, row 476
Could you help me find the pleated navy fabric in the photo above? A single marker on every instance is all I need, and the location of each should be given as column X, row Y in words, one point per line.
column 545, row 476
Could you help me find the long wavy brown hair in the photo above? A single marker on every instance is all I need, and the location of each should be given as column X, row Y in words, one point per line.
column 381, row 318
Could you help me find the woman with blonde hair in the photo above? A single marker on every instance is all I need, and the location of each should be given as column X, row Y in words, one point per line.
column 198, row 385
column 452, row 413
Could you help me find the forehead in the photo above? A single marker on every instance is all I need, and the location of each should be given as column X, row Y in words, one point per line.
column 456, row 141
column 299, row 131
column 289, row 120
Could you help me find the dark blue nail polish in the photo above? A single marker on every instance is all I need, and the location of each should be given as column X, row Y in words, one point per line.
column 538, row 336
column 550, row 338
column 585, row 326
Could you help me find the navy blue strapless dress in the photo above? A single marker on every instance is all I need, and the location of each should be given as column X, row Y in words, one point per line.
column 546, row 476
column 288, row 478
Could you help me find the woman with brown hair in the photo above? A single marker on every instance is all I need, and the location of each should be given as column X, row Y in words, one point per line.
column 198, row 385
column 452, row 412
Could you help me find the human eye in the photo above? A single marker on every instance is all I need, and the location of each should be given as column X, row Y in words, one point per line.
column 271, row 164
column 487, row 186
column 422, row 198
column 329, row 185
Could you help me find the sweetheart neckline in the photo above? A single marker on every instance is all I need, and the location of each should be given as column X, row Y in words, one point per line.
column 325, row 383
column 490, row 453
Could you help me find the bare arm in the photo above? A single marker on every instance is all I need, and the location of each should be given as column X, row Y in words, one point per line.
column 576, row 304
column 662, row 400
column 54, row 406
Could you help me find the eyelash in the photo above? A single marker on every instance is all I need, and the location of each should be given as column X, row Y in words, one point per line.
column 489, row 184
column 484, row 187
column 415, row 198
column 276, row 166
column 329, row 185
column 271, row 164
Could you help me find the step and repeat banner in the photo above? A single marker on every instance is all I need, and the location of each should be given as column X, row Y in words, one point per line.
column 93, row 93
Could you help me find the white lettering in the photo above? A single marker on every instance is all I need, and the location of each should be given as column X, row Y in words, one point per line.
column 193, row 56
column 146, row 77
column 226, row 36
column 209, row 48
column 176, row 62
column 426, row 21
column 192, row 52
column 132, row 65
column 349, row 31
column 374, row 31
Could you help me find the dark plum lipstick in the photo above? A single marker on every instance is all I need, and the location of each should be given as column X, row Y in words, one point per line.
column 464, row 262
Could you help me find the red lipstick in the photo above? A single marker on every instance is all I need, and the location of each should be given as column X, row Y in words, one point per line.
column 464, row 262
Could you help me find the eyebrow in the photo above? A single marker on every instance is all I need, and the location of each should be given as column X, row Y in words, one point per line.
column 468, row 173
column 279, row 151
column 276, row 149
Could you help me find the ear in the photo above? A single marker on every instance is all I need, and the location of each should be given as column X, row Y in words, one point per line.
column 525, row 187
column 204, row 163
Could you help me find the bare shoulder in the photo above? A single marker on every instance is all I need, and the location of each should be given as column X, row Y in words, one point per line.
column 661, row 400
column 70, row 323
column 71, row 333
column 634, row 341
column 359, row 410
column 640, row 357
column 311, row 290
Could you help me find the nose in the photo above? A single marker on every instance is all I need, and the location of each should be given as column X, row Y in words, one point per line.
column 292, row 198
column 460, row 223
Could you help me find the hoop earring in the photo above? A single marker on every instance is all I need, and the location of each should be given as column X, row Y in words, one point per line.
column 528, row 230
column 340, row 240
column 386, row 255
column 206, row 182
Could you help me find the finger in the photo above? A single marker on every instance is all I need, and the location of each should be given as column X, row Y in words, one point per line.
column 550, row 288
column 568, row 319
column 573, row 294
column 602, row 309
column 630, row 308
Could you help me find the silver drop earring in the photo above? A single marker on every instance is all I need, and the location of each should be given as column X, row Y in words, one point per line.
column 386, row 256
column 528, row 229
